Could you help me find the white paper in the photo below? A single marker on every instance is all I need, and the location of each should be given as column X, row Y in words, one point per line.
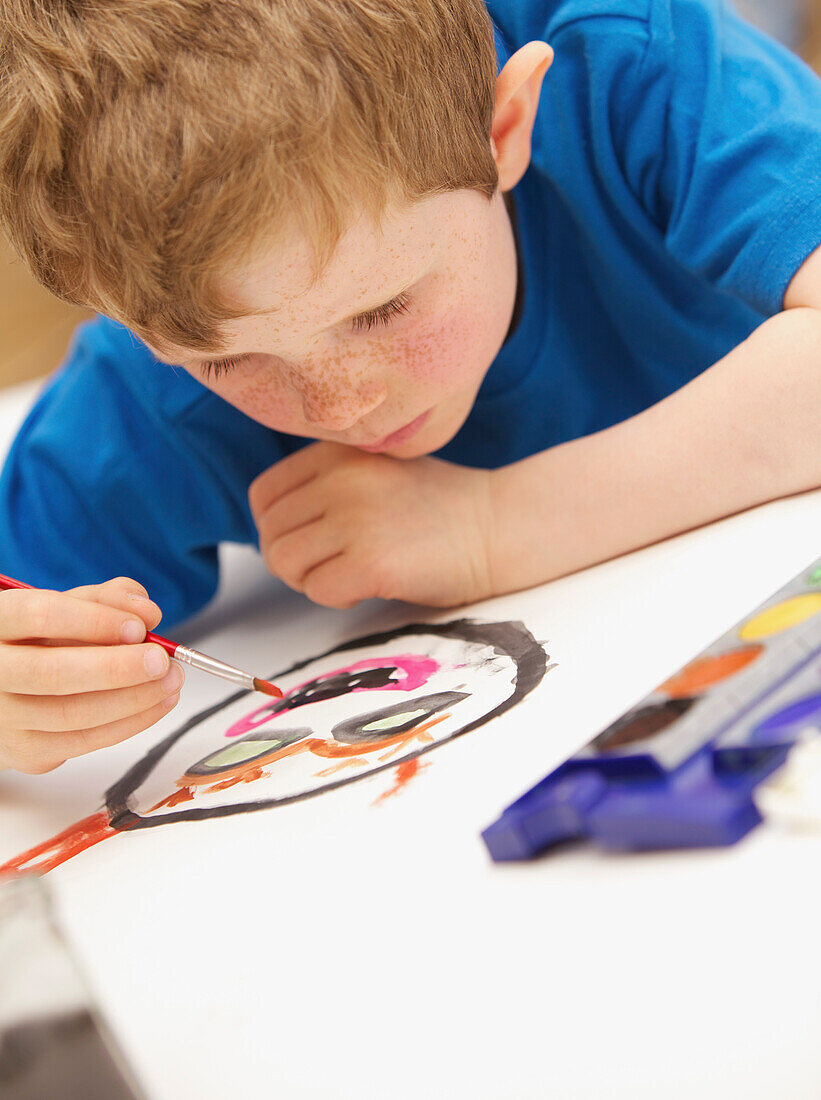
column 347, row 945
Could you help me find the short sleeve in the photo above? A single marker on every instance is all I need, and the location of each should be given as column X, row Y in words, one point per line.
column 742, row 179
column 714, row 131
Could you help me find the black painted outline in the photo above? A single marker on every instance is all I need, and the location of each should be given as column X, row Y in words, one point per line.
column 508, row 639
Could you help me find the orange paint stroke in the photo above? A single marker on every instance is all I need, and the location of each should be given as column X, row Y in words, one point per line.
column 238, row 773
column 418, row 735
column 704, row 672
column 353, row 762
column 250, row 775
column 51, row 853
column 333, row 748
column 402, row 776
column 254, row 769
column 184, row 794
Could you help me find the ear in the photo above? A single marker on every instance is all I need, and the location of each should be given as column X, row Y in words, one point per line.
column 514, row 113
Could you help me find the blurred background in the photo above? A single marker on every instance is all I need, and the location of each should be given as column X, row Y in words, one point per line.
column 35, row 327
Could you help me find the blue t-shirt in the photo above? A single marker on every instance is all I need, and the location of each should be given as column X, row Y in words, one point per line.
column 674, row 190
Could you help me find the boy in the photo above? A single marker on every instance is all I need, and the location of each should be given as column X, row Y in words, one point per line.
column 602, row 318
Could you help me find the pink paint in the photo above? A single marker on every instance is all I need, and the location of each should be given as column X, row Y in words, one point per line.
column 412, row 672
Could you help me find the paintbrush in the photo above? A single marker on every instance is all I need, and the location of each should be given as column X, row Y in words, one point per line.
column 187, row 656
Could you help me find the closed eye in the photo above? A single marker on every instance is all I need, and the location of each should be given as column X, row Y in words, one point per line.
column 216, row 367
column 382, row 315
column 362, row 322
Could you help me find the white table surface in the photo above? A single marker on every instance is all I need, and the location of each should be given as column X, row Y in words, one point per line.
column 580, row 976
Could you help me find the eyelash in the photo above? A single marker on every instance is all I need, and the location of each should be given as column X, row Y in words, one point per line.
column 221, row 366
column 382, row 315
column 364, row 322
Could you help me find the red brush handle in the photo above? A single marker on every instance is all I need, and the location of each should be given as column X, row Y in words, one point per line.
column 7, row 582
column 169, row 647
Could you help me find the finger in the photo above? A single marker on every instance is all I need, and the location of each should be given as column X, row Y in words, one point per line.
column 290, row 473
column 117, row 586
column 62, row 713
column 71, row 670
column 296, row 509
column 36, row 613
column 80, row 742
column 30, row 763
column 126, row 594
column 334, row 583
column 43, row 752
column 294, row 555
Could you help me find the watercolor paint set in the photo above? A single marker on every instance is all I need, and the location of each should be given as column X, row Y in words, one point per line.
column 691, row 764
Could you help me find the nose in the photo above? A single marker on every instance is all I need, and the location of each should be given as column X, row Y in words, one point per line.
column 337, row 408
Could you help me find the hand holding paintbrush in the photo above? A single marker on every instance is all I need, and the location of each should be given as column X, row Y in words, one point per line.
column 80, row 670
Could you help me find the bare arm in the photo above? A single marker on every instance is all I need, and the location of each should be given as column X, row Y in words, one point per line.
column 746, row 431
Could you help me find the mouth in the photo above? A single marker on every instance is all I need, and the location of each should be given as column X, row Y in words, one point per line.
column 397, row 437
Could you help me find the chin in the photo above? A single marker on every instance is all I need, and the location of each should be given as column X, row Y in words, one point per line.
column 428, row 441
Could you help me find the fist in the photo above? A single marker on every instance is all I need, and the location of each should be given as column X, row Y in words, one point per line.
column 342, row 526
column 76, row 674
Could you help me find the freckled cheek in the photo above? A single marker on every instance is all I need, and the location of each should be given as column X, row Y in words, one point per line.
column 275, row 406
column 460, row 347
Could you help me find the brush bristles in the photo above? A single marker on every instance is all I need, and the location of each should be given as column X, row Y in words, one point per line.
column 267, row 689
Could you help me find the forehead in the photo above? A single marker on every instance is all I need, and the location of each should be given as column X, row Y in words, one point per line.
column 280, row 292
column 368, row 254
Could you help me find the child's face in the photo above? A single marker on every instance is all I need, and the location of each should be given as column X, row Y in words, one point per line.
column 387, row 350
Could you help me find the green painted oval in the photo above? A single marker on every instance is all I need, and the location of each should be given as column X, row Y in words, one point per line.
column 393, row 720
column 239, row 753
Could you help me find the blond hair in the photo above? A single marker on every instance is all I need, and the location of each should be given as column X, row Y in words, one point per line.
column 145, row 144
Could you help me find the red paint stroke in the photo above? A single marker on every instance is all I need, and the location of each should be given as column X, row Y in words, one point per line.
column 51, row 853
column 402, row 776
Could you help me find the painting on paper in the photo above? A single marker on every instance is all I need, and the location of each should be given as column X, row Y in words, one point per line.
column 371, row 704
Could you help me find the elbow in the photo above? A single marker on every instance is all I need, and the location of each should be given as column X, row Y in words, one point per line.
column 789, row 343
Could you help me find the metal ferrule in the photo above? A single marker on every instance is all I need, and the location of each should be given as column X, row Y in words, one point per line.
column 191, row 657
